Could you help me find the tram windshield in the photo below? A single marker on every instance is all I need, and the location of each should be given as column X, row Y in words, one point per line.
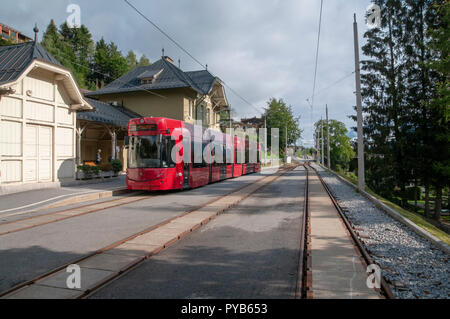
column 153, row 151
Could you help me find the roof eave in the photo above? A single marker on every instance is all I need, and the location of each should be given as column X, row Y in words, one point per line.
column 38, row 63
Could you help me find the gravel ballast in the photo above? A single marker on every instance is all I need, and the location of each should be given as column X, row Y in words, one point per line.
column 413, row 266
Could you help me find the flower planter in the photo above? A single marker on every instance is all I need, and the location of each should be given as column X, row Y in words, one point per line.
column 83, row 176
column 107, row 174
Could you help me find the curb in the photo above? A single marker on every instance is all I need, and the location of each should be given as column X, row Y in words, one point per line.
column 78, row 199
column 86, row 198
column 395, row 215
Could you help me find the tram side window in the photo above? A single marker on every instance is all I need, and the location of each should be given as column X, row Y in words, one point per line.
column 166, row 157
column 199, row 161
column 238, row 156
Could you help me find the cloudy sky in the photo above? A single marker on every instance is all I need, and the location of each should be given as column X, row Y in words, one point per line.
column 260, row 48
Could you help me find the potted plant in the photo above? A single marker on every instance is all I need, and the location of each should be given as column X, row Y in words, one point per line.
column 106, row 170
column 87, row 171
column 117, row 166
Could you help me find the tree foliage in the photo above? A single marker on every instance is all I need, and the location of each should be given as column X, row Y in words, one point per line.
column 341, row 151
column 405, row 93
column 280, row 116
column 94, row 64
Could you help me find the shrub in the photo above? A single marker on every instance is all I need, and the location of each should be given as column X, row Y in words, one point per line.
column 117, row 166
column 106, row 167
column 89, row 170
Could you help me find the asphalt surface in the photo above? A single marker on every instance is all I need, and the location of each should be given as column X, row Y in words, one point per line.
column 33, row 199
column 251, row 252
column 30, row 253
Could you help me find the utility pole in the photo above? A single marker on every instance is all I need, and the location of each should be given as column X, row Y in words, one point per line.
column 286, row 142
column 317, row 145
column 232, row 139
column 328, row 139
column 265, row 140
column 361, row 170
column 323, row 149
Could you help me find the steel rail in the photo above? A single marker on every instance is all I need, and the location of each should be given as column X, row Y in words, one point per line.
column 61, row 218
column 300, row 291
column 147, row 230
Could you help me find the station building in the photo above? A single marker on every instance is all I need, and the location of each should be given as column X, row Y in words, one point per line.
column 47, row 126
column 164, row 90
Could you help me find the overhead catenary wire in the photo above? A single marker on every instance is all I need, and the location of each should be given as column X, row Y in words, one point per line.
column 188, row 53
column 317, row 54
column 315, row 65
column 331, row 85
column 59, row 55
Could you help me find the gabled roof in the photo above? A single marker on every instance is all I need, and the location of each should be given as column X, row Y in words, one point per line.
column 14, row 59
column 171, row 77
column 203, row 79
column 108, row 114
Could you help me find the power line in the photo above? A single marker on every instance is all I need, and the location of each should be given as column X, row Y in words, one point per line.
column 66, row 58
column 317, row 54
column 187, row 52
column 330, row 86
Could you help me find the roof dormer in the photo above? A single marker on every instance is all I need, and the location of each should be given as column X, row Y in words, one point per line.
column 149, row 77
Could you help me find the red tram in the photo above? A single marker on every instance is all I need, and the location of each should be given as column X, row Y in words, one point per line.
column 151, row 166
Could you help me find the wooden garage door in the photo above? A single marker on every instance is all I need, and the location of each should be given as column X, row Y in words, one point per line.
column 38, row 153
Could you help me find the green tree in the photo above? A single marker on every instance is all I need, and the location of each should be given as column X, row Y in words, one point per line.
column 384, row 91
column 280, row 116
column 61, row 50
column 439, row 31
column 131, row 60
column 143, row 61
column 341, row 151
column 108, row 63
column 82, row 46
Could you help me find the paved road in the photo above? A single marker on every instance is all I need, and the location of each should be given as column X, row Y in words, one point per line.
column 29, row 253
column 249, row 252
column 33, row 199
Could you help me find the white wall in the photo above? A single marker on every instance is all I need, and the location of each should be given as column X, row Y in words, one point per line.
column 37, row 132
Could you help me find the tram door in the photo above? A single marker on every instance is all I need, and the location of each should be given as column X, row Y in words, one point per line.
column 186, row 171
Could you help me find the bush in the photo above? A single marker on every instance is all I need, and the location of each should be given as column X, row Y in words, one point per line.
column 117, row 166
column 89, row 170
column 106, row 167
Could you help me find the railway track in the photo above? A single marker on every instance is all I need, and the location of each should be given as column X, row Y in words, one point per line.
column 109, row 263
column 308, row 292
column 53, row 217
column 302, row 274
column 64, row 214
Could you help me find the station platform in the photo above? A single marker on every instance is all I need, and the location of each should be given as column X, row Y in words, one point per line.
column 30, row 200
column 338, row 270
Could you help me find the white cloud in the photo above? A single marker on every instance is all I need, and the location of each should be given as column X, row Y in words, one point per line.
column 262, row 49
